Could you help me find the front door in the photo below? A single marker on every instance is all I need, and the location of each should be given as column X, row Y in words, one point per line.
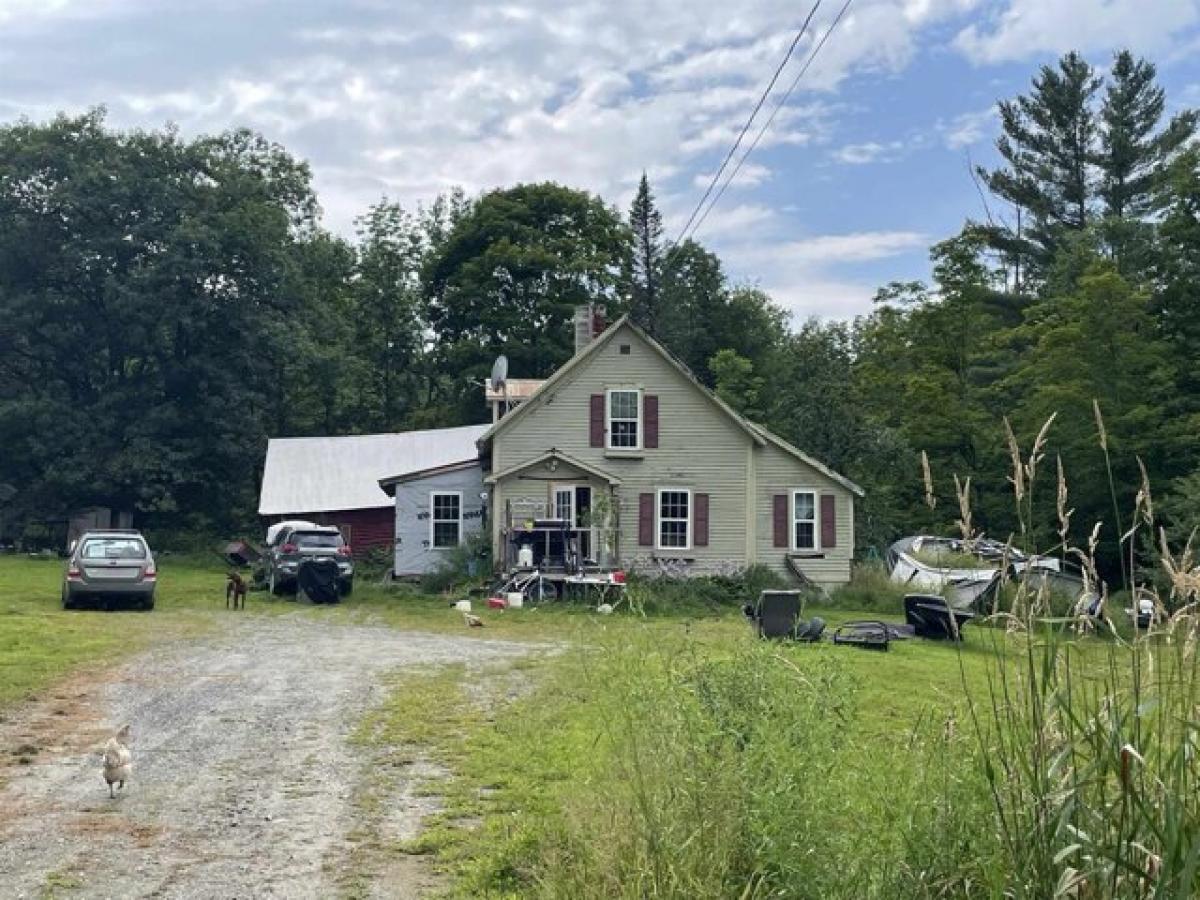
column 573, row 504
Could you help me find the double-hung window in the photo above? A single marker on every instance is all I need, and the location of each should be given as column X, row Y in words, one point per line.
column 804, row 520
column 624, row 419
column 674, row 519
column 445, row 519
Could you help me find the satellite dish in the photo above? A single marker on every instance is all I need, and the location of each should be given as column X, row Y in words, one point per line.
column 499, row 372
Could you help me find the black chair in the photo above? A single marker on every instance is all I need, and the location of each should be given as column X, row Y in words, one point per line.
column 777, row 615
column 932, row 617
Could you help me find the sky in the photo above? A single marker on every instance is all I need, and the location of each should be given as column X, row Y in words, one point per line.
column 866, row 164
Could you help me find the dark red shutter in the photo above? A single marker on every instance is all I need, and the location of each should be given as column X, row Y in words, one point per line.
column 646, row 520
column 780, row 519
column 650, row 412
column 596, row 424
column 700, row 518
column 828, row 521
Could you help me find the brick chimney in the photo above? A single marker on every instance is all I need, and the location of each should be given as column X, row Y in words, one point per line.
column 589, row 322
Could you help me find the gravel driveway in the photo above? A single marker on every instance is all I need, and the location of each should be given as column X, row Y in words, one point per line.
column 243, row 772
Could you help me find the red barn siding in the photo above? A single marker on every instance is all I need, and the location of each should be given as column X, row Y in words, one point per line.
column 364, row 529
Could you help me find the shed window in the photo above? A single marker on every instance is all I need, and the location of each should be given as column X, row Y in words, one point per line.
column 446, row 519
column 674, row 519
column 625, row 419
column 804, row 520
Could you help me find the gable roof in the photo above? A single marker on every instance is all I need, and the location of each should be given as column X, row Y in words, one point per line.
column 579, row 359
column 760, row 435
column 554, row 453
column 805, row 458
column 326, row 474
column 388, row 485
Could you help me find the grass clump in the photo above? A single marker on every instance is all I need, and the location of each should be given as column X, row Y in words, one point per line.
column 700, row 595
column 870, row 589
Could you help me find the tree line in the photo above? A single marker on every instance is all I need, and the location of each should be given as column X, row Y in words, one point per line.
column 166, row 304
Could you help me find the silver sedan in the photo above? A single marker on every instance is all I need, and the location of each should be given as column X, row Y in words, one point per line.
column 110, row 565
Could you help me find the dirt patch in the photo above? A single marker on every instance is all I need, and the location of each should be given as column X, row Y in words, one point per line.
column 244, row 773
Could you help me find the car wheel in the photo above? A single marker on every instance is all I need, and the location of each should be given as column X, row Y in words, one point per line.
column 67, row 602
column 148, row 604
column 273, row 584
column 347, row 587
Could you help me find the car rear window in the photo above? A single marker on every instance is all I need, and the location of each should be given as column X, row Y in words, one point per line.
column 316, row 539
column 113, row 548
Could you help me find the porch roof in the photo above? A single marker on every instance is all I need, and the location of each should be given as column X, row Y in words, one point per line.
column 549, row 455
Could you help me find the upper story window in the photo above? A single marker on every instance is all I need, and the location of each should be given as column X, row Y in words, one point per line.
column 804, row 520
column 624, row 420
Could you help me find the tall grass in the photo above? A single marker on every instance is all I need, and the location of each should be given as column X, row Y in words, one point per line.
column 668, row 770
column 1089, row 751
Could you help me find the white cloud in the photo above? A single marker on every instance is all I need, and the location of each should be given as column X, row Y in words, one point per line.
column 869, row 152
column 410, row 102
column 1027, row 28
column 967, row 128
column 749, row 175
column 862, row 246
column 815, row 276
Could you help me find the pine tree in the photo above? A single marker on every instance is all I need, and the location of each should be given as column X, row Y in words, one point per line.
column 646, row 276
column 1132, row 155
column 1048, row 144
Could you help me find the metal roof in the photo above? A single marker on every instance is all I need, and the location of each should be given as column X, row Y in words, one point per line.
column 325, row 474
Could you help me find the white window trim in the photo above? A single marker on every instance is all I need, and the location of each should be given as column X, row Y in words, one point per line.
column 641, row 418
column 816, row 520
column 658, row 519
column 433, row 520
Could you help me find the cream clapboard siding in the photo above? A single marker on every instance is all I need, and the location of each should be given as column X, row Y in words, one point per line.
column 700, row 448
column 779, row 472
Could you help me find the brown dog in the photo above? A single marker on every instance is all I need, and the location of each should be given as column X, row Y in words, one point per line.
column 235, row 590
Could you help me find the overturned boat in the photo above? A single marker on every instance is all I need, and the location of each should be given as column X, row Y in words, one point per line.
column 969, row 574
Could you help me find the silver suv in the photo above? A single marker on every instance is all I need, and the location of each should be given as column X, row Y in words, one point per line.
column 110, row 565
column 299, row 543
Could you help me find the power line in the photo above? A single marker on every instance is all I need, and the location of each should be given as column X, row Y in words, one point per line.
column 779, row 105
column 745, row 128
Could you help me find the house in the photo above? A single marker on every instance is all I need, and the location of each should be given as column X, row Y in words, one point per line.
column 335, row 480
column 623, row 459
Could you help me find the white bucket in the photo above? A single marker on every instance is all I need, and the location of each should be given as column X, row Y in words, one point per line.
column 515, row 599
column 463, row 605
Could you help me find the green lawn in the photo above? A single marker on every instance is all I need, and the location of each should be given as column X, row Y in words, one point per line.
column 40, row 642
column 677, row 756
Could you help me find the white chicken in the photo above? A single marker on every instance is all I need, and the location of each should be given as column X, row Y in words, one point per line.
column 118, row 761
column 472, row 621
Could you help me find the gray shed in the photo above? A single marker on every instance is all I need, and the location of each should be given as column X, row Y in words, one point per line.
column 436, row 510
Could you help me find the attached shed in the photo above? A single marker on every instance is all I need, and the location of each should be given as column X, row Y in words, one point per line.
column 335, row 480
column 437, row 509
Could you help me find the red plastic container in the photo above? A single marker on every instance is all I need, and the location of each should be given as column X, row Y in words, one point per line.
column 497, row 603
